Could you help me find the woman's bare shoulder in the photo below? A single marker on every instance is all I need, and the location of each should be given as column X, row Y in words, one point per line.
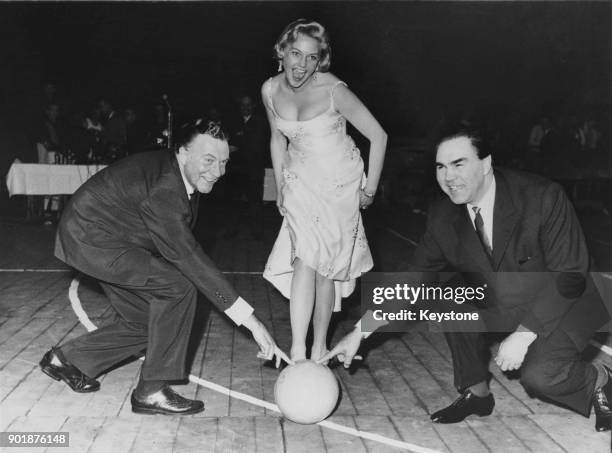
column 326, row 79
column 271, row 83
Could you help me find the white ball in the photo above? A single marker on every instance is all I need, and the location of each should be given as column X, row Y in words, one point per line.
column 306, row 392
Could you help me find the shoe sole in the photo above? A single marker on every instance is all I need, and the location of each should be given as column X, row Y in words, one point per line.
column 49, row 371
column 155, row 411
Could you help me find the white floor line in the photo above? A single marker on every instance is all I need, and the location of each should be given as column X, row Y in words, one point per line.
column 241, row 273
column 70, row 270
column 602, row 347
column 35, row 270
column 75, row 302
column 401, row 236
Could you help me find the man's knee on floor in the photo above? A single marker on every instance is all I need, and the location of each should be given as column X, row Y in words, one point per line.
column 542, row 378
column 533, row 379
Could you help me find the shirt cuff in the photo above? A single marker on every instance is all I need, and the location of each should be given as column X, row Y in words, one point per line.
column 239, row 311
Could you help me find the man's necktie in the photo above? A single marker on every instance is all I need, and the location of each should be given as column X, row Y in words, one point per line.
column 479, row 223
column 193, row 204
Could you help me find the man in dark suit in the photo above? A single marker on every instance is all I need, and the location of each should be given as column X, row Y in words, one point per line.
column 248, row 164
column 519, row 233
column 114, row 134
column 129, row 226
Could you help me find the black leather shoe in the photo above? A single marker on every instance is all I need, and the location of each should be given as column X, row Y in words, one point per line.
column 67, row 372
column 603, row 410
column 466, row 404
column 165, row 401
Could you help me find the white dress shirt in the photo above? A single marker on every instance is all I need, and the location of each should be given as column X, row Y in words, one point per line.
column 188, row 187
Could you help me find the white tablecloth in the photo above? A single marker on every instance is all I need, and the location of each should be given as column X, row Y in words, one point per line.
column 41, row 179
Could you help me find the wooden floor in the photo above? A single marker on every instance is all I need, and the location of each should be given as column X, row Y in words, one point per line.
column 405, row 377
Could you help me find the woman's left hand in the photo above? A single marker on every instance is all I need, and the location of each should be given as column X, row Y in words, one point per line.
column 364, row 200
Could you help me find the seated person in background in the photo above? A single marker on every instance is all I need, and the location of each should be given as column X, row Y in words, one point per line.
column 135, row 136
column 114, row 135
column 48, row 136
column 247, row 165
column 50, row 146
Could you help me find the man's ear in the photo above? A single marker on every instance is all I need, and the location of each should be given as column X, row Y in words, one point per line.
column 487, row 164
column 182, row 155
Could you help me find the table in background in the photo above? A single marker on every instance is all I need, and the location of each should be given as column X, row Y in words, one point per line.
column 42, row 179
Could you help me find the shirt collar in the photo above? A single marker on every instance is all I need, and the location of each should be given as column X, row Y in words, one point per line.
column 487, row 201
column 188, row 187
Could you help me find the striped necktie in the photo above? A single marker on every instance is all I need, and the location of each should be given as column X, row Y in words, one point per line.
column 479, row 223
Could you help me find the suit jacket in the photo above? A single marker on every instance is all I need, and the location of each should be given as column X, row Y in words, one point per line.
column 130, row 213
column 538, row 273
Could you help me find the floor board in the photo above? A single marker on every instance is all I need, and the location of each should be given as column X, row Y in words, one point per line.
column 405, row 377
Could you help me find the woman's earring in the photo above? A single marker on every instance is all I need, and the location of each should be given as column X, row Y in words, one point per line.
column 280, row 65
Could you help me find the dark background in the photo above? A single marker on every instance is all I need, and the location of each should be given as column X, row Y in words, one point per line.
column 411, row 63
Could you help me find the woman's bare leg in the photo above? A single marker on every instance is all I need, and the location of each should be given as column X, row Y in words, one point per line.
column 300, row 307
column 324, row 306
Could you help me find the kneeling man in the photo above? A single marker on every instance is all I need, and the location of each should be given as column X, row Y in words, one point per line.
column 512, row 227
column 130, row 227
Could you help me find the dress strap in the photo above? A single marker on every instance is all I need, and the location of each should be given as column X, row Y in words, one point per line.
column 331, row 93
column 269, row 93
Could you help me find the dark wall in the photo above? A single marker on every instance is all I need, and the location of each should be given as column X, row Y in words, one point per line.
column 411, row 62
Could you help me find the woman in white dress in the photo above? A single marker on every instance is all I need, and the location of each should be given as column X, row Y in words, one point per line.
column 321, row 248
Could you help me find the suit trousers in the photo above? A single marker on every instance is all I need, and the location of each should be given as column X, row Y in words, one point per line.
column 156, row 317
column 552, row 369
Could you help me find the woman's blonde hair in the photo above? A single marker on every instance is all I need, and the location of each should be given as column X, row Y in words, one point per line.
column 308, row 28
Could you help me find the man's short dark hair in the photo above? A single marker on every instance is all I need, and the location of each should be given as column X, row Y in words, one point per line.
column 475, row 133
column 188, row 131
